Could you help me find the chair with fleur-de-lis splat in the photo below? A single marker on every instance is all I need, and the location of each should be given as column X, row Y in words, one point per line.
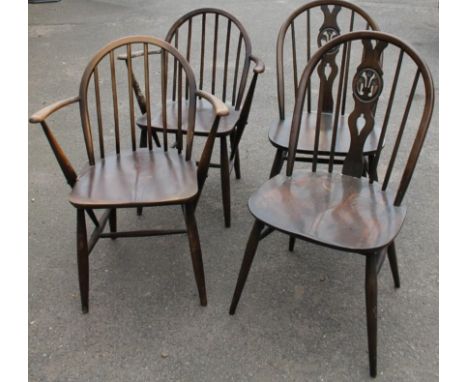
column 303, row 32
column 118, row 173
column 347, row 211
column 218, row 48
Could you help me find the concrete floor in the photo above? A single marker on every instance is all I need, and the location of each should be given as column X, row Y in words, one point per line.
column 302, row 315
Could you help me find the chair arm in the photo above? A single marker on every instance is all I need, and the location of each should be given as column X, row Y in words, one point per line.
column 138, row 53
column 41, row 115
column 259, row 65
column 220, row 108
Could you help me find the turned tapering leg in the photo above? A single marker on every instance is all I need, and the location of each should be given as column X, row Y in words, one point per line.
column 225, row 182
column 392, row 259
column 249, row 254
column 371, row 307
column 277, row 163
column 195, row 252
column 113, row 221
column 82, row 258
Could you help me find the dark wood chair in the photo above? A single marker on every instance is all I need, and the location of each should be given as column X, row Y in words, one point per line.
column 218, row 48
column 118, row 177
column 347, row 211
column 306, row 30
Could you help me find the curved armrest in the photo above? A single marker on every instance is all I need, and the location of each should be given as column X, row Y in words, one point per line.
column 259, row 65
column 220, row 108
column 138, row 53
column 42, row 114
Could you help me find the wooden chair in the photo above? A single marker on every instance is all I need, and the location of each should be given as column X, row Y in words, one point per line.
column 218, row 48
column 346, row 211
column 330, row 18
column 124, row 178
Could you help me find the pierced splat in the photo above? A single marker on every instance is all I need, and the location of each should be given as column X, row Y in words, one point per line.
column 328, row 68
column 367, row 86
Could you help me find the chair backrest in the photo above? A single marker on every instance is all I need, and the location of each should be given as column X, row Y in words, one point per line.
column 407, row 114
column 218, row 48
column 108, row 104
column 309, row 27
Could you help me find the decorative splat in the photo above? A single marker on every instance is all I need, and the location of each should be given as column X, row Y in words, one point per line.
column 328, row 69
column 367, row 86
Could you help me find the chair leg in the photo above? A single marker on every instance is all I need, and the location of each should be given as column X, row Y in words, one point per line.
column 195, row 252
column 113, row 221
column 82, row 258
column 371, row 308
column 392, row 259
column 143, row 138
column 225, row 182
column 277, row 163
column 292, row 241
column 236, row 158
column 249, row 254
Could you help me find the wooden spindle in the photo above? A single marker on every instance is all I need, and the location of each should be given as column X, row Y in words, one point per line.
column 179, row 109
column 309, row 96
column 226, row 59
column 293, row 37
column 215, row 53
column 236, row 71
column 130, row 95
column 202, row 51
column 318, row 127
column 147, row 96
column 348, row 56
column 99, row 112
column 164, row 96
column 187, row 56
column 174, row 74
column 115, row 102
column 400, row 131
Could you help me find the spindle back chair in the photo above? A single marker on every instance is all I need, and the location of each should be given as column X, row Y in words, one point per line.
column 347, row 211
column 218, row 48
column 118, row 177
column 304, row 31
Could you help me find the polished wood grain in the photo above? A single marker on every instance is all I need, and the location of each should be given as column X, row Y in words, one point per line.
column 347, row 211
column 279, row 135
column 136, row 178
column 218, row 35
column 121, row 178
column 335, row 210
column 205, row 116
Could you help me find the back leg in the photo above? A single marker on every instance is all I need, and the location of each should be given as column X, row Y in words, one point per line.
column 392, row 259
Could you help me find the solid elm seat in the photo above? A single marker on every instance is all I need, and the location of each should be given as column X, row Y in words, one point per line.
column 136, row 178
column 203, row 120
column 335, row 210
column 279, row 135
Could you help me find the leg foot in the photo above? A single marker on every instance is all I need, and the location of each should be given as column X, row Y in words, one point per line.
column 225, row 182
column 246, row 263
column 82, row 259
column 292, row 241
column 371, row 308
column 392, row 259
column 195, row 252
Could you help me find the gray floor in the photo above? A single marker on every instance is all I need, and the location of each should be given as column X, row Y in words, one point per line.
column 302, row 315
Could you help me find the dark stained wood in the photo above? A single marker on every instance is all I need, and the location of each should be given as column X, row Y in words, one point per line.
column 134, row 177
column 140, row 178
column 348, row 211
column 335, row 210
column 235, row 123
column 371, row 310
column 392, row 259
column 225, row 181
column 203, row 122
column 249, row 254
column 279, row 135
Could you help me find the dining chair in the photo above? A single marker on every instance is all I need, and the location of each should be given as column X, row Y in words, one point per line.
column 304, row 31
column 346, row 211
column 218, row 48
column 119, row 175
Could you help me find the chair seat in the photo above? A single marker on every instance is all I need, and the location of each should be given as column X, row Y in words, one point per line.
column 136, row 178
column 204, row 118
column 280, row 132
column 335, row 210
